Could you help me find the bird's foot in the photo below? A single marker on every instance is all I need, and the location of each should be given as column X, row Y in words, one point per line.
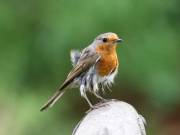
column 92, row 107
column 102, row 103
column 103, row 100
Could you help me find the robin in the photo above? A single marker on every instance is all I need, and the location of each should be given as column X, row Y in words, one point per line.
column 94, row 68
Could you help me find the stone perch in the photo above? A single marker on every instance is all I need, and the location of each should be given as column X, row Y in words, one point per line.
column 111, row 118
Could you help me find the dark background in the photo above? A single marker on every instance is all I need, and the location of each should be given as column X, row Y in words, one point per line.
column 37, row 36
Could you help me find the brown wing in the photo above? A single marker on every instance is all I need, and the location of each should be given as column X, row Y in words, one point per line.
column 86, row 61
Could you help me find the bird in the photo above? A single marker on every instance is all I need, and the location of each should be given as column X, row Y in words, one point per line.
column 94, row 69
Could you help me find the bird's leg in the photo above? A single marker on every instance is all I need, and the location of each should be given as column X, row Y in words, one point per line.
column 96, row 93
column 88, row 101
column 99, row 97
column 92, row 107
column 83, row 91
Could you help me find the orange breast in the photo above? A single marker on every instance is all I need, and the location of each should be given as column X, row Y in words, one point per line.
column 108, row 61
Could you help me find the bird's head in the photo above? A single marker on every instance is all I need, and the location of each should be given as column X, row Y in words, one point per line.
column 107, row 39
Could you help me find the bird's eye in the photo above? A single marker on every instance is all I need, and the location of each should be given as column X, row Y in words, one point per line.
column 104, row 40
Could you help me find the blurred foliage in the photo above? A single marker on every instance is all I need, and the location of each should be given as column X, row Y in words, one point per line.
column 35, row 40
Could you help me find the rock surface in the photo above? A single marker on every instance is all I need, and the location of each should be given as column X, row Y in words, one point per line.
column 111, row 118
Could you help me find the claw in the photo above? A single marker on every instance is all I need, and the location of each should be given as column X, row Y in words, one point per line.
column 92, row 108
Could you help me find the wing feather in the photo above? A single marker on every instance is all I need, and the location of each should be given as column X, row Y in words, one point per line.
column 84, row 63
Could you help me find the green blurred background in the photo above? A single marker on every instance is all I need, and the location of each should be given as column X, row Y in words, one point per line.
column 37, row 36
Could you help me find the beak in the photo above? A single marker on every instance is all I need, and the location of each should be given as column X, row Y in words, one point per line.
column 119, row 40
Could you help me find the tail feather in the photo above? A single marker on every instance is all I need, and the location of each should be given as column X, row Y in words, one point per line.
column 52, row 100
